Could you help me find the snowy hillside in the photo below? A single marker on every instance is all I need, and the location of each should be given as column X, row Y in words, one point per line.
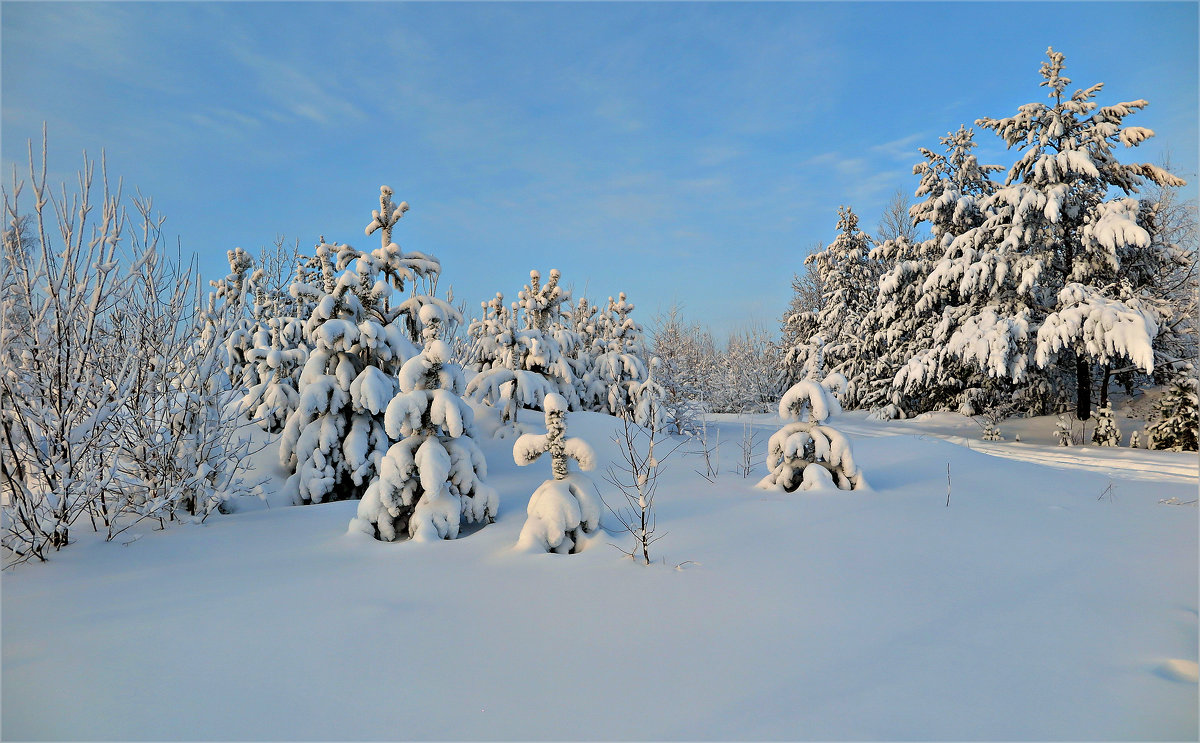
column 1054, row 597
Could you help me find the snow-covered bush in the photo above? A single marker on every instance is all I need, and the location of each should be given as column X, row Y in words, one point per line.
column 681, row 353
column 113, row 387
column 1107, row 433
column 432, row 479
column 1175, row 415
column 991, row 432
column 748, row 378
column 1135, row 440
column 64, row 375
column 181, row 447
column 564, row 507
column 807, row 454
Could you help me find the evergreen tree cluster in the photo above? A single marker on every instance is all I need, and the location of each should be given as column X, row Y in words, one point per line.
column 593, row 358
column 1028, row 293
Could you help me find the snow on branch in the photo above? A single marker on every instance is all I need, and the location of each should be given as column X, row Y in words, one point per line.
column 1102, row 328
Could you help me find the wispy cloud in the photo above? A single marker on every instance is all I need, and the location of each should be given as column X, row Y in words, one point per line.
column 904, row 149
column 306, row 93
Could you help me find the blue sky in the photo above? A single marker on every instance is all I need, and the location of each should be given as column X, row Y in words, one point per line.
column 680, row 151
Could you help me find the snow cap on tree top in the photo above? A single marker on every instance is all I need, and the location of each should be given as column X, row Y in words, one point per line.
column 437, row 352
column 430, row 313
column 554, row 403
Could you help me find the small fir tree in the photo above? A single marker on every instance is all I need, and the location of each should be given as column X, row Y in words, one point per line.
column 619, row 367
column 432, row 479
column 563, row 508
column 278, row 355
column 806, row 454
column 648, row 396
column 1063, row 431
column 1175, row 417
column 1107, row 433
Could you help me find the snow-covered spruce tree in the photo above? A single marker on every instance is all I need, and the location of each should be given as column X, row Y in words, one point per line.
column 566, row 506
column 914, row 317
column 807, row 454
column 647, row 398
column 499, row 355
column 432, row 479
column 675, row 345
column 619, row 367
column 798, row 326
column 334, row 440
column 517, row 368
column 278, row 354
column 1175, row 420
column 279, row 347
column 1041, row 277
column 492, row 335
column 232, row 298
column 1106, row 433
column 544, row 327
column 1135, row 440
column 849, row 280
column 583, row 347
column 1062, row 431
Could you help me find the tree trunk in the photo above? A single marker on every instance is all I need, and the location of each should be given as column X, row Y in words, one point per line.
column 1083, row 389
column 1104, row 386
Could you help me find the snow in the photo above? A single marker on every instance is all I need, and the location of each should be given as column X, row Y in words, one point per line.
column 558, row 511
column 1031, row 607
column 1106, row 328
column 372, row 390
column 529, row 446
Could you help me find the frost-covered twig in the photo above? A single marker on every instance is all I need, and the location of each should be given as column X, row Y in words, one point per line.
column 636, row 478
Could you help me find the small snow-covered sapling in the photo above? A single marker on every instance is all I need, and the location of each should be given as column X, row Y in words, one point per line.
column 562, row 508
column 1063, row 431
column 1107, row 433
column 807, row 454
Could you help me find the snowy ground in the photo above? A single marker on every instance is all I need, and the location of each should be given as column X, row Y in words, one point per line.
column 1056, row 597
